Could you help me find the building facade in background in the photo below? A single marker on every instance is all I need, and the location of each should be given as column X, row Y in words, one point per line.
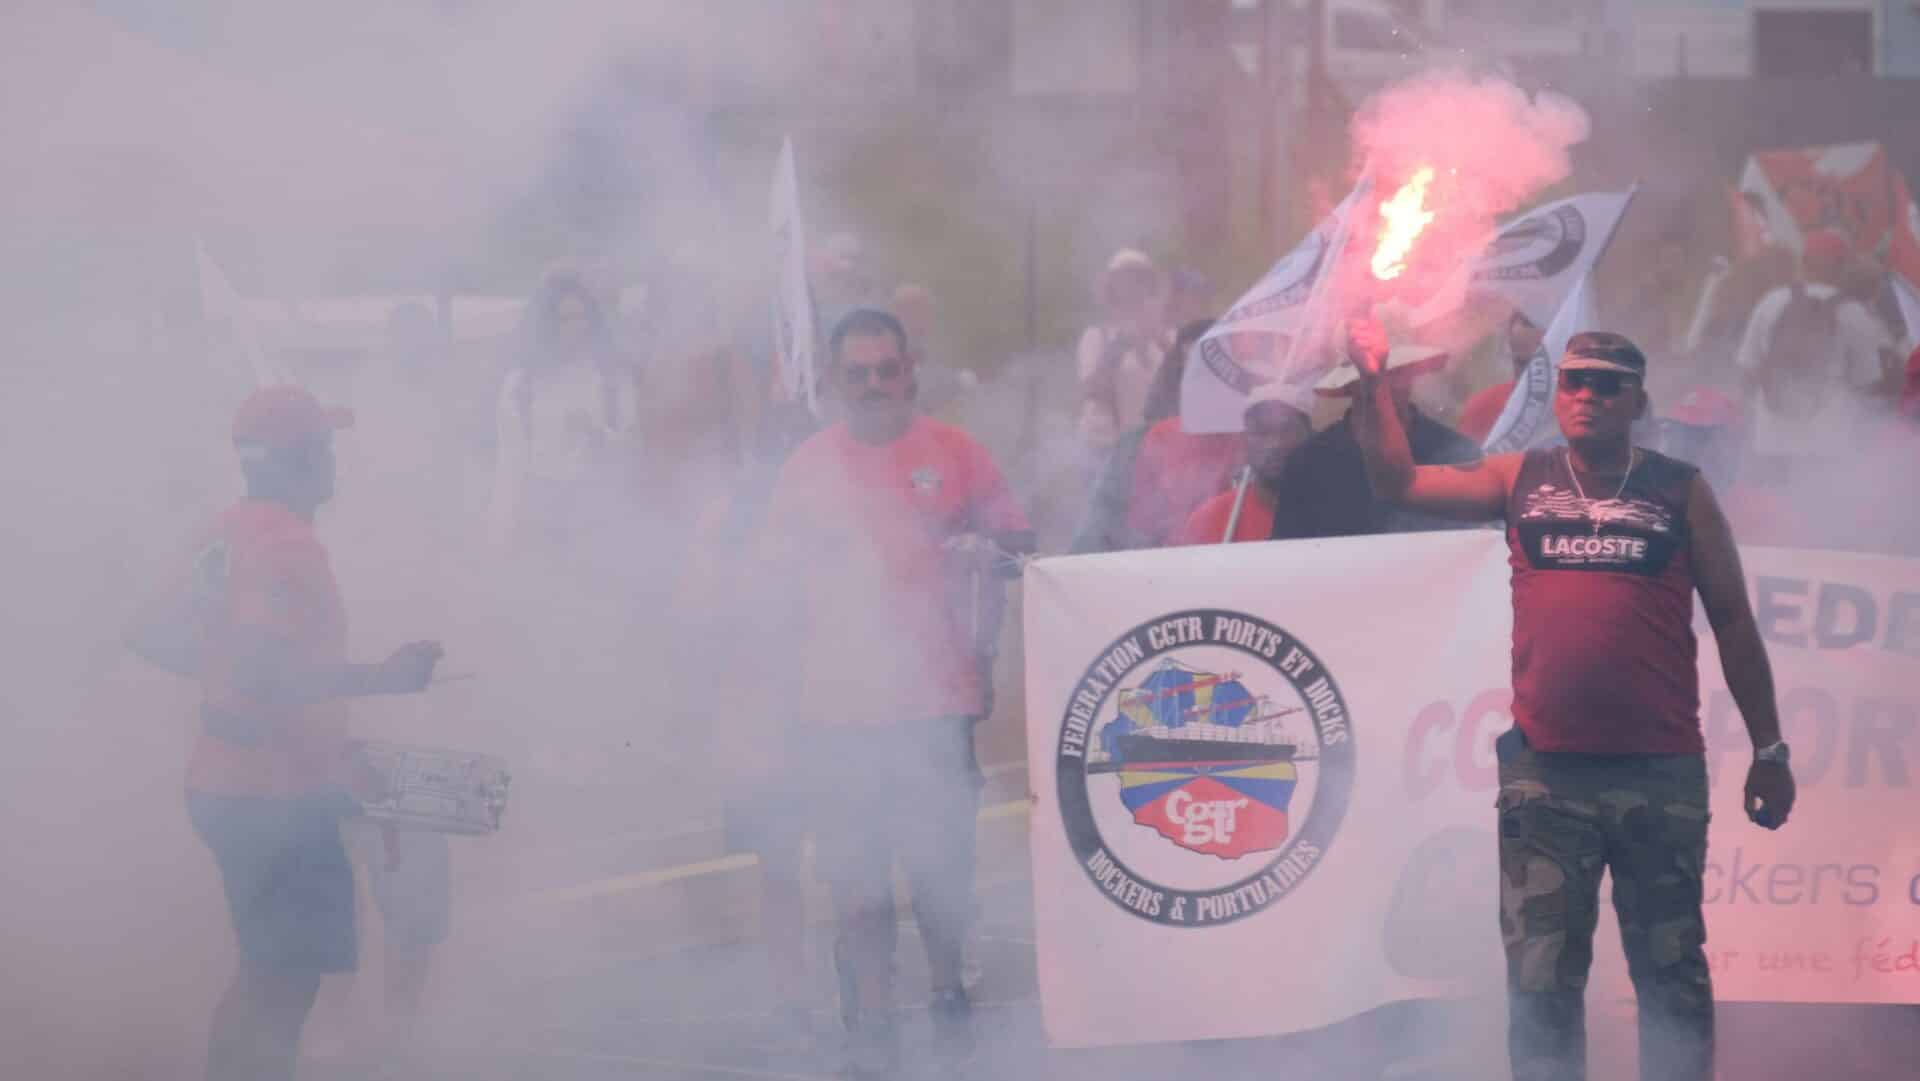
column 1655, row 39
column 1774, row 39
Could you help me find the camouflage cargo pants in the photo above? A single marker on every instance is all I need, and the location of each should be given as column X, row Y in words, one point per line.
column 1565, row 818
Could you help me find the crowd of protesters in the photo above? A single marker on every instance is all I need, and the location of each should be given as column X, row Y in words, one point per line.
column 872, row 543
column 1792, row 375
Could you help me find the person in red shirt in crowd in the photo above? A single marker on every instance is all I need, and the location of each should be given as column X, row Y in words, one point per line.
column 1174, row 472
column 259, row 622
column 1275, row 428
column 1605, row 768
column 884, row 526
column 1104, row 525
column 1707, row 428
column 1482, row 411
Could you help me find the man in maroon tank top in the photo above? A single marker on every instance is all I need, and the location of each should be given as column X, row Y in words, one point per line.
column 1604, row 768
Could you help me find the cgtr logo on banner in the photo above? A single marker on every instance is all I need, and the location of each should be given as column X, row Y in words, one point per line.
column 1203, row 767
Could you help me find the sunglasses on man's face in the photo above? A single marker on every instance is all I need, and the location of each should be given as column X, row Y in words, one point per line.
column 859, row 375
column 1603, row 384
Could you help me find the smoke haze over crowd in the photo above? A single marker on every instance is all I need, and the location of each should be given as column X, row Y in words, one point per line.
column 368, row 199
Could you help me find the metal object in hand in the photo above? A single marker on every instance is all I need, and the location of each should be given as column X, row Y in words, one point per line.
column 429, row 788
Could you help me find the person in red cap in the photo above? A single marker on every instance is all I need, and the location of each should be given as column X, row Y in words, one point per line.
column 258, row 621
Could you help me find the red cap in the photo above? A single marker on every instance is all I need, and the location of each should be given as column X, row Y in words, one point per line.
column 283, row 416
column 1705, row 407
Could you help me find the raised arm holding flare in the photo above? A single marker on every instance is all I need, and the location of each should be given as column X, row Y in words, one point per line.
column 1473, row 491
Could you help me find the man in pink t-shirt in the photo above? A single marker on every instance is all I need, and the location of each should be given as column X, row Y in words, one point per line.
column 885, row 537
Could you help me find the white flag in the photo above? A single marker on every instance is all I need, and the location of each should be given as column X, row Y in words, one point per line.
column 1540, row 264
column 1527, row 421
column 794, row 336
column 1534, row 261
column 1278, row 322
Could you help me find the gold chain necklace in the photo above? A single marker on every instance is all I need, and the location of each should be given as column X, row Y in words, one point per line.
column 1633, row 456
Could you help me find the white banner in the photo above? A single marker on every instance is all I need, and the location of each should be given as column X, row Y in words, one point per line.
column 1324, row 844
column 795, row 339
column 1269, row 333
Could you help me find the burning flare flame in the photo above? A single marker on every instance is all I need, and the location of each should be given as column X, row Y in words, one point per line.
column 1406, row 216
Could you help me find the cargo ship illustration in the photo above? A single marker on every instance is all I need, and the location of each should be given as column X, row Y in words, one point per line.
column 1178, row 714
column 1202, row 761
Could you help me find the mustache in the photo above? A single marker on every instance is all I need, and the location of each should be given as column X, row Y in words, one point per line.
column 876, row 396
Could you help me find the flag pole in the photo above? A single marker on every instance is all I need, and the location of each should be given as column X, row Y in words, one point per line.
column 1241, row 478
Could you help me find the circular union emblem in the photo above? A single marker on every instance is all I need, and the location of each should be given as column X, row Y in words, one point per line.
column 1537, row 248
column 1203, row 765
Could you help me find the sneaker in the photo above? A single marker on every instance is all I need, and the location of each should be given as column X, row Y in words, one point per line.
column 951, row 1013
column 873, row 1048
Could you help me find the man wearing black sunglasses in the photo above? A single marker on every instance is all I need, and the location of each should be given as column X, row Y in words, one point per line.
column 888, row 526
column 1605, row 767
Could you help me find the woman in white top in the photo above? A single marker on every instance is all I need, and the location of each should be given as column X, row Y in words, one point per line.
column 565, row 419
column 1118, row 356
column 1815, row 356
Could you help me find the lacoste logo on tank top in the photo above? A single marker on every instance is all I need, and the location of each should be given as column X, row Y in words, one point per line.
column 1634, row 530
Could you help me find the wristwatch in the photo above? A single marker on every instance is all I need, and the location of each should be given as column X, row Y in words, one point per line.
column 1776, row 751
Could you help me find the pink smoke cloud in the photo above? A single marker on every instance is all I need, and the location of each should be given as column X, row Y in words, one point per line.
column 1493, row 148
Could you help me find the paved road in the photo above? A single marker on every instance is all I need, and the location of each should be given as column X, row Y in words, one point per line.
column 649, row 973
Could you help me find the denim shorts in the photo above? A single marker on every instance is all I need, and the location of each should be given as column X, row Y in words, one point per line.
column 289, row 886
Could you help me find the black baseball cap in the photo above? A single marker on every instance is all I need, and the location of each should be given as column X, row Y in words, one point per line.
column 1603, row 351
